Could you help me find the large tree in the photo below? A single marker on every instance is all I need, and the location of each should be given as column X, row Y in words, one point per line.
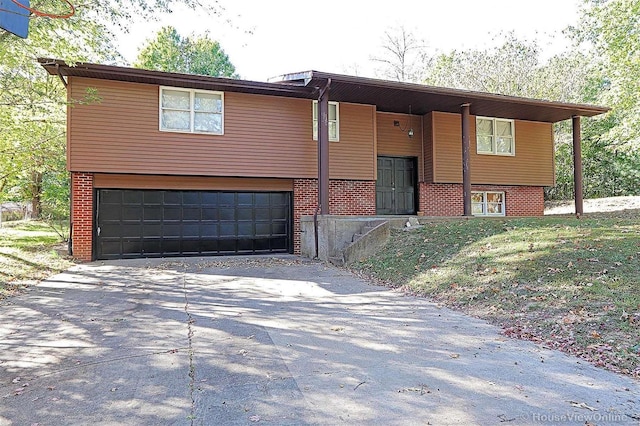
column 611, row 29
column 169, row 51
column 403, row 56
column 32, row 103
column 515, row 68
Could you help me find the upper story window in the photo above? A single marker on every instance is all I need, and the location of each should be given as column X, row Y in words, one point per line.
column 191, row 111
column 495, row 136
column 334, row 121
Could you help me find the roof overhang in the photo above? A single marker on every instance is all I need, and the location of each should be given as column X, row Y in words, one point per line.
column 387, row 96
column 202, row 82
column 393, row 96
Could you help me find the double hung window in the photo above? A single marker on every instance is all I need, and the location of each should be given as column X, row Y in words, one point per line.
column 191, row 111
column 334, row 121
column 495, row 136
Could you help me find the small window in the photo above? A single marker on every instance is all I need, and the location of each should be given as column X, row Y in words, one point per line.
column 494, row 136
column 191, row 111
column 487, row 203
column 334, row 121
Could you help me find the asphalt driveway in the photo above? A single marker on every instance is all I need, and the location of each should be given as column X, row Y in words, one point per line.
column 275, row 341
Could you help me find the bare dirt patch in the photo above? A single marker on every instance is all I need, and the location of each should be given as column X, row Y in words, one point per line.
column 622, row 207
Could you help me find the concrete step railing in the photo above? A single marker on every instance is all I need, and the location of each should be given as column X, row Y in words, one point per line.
column 363, row 244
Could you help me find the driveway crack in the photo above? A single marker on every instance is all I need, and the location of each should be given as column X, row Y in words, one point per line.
column 192, row 367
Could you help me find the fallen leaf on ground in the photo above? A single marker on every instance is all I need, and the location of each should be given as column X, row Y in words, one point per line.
column 581, row 405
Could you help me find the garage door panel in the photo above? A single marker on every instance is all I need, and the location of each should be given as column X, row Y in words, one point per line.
column 228, row 229
column 191, row 213
column 227, row 213
column 208, row 230
column 144, row 223
column 152, row 246
column 152, row 197
column 172, row 213
column 132, row 197
column 227, row 199
column 171, row 197
column 209, row 213
column 191, row 198
column 132, row 213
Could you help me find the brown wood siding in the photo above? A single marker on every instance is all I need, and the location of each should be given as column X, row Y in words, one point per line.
column 264, row 136
column 353, row 157
column 532, row 164
column 128, row 181
column 393, row 142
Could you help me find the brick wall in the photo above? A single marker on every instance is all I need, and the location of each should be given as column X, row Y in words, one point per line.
column 82, row 215
column 346, row 197
column 444, row 199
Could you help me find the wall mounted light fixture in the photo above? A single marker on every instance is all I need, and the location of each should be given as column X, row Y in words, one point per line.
column 408, row 128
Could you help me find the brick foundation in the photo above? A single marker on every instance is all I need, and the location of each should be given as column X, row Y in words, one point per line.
column 82, row 215
column 444, row 199
column 346, row 197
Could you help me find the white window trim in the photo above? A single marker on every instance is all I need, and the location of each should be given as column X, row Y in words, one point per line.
column 485, row 203
column 192, row 93
column 494, row 145
column 314, row 122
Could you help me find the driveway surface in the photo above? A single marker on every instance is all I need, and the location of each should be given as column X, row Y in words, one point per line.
column 275, row 341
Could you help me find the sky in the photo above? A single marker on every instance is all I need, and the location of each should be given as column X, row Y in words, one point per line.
column 273, row 37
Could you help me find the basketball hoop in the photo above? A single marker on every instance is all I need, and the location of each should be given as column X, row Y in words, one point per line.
column 39, row 13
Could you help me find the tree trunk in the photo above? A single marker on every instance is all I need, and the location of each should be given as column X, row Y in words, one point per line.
column 36, row 192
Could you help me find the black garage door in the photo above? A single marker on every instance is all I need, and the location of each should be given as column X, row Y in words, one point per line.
column 152, row 223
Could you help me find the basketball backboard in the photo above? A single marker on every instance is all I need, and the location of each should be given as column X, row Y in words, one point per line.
column 14, row 18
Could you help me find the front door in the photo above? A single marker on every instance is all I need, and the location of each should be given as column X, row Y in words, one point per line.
column 395, row 187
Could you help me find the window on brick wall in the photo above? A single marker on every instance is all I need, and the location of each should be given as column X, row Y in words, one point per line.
column 495, row 136
column 191, row 111
column 487, row 203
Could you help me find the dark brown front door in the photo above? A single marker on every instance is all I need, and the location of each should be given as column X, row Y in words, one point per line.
column 395, row 186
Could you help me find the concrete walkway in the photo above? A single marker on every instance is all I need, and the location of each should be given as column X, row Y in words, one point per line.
column 275, row 342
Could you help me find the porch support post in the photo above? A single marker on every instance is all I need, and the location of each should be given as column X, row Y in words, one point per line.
column 466, row 162
column 577, row 165
column 323, row 149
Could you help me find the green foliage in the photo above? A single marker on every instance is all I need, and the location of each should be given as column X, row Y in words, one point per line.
column 32, row 103
column 171, row 52
column 611, row 30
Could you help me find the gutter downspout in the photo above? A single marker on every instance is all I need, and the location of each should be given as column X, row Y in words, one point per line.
column 64, row 82
column 323, row 148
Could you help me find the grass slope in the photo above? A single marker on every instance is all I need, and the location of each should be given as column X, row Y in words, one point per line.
column 27, row 255
column 571, row 284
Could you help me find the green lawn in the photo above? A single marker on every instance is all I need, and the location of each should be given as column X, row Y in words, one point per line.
column 567, row 283
column 29, row 252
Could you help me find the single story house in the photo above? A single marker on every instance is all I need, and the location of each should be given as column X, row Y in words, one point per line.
column 166, row 164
